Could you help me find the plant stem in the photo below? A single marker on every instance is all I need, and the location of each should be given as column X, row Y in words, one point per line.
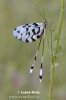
column 56, row 51
column 60, row 25
column 52, row 80
column 52, row 68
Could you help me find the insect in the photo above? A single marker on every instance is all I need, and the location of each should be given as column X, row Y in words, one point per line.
column 30, row 33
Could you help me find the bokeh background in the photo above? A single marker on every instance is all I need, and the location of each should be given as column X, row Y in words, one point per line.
column 16, row 57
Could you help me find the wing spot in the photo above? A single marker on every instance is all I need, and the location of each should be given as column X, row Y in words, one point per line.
column 37, row 30
column 35, row 24
column 33, row 39
column 33, row 30
column 38, row 36
column 18, row 31
column 21, row 34
column 26, row 24
column 27, row 29
column 28, row 33
column 27, row 40
column 29, row 26
column 23, row 26
column 15, row 29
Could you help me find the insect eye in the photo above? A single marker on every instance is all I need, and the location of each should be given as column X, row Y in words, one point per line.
column 45, row 23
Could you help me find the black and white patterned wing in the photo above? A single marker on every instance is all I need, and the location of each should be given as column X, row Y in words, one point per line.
column 29, row 32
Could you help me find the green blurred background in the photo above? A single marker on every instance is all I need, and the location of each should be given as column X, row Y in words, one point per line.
column 16, row 57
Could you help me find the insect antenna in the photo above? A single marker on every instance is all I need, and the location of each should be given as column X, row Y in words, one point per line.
column 40, row 73
column 32, row 66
